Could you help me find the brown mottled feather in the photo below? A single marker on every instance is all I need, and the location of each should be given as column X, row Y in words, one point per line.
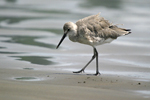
column 99, row 27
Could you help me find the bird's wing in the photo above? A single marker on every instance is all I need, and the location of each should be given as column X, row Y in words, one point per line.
column 99, row 27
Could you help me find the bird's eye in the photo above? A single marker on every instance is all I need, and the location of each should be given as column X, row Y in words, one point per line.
column 68, row 29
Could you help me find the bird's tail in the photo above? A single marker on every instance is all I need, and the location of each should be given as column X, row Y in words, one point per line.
column 120, row 31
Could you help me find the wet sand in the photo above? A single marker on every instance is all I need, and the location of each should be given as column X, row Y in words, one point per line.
column 61, row 85
column 65, row 85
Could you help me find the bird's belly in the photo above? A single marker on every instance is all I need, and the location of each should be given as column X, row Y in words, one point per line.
column 95, row 41
column 101, row 41
column 108, row 40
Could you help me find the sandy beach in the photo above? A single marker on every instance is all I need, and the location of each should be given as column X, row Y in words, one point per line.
column 31, row 68
column 67, row 86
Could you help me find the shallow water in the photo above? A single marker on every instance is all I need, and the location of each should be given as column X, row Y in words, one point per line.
column 30, row 31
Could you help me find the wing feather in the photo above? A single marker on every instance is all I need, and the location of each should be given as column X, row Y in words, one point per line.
column 99, row 27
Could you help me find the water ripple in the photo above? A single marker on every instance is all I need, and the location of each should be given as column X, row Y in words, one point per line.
column 27, row 40
column 137, row 64
column 133, row 44
column 36, row 59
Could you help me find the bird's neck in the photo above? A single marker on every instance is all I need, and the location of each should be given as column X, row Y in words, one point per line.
column 73, row 35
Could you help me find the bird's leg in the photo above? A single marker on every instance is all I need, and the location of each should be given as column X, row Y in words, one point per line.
column 82, row 70
column 97, row 70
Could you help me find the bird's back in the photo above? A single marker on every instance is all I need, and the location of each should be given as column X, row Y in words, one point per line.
column 96, row 26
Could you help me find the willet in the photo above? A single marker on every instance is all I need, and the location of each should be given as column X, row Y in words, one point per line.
column 92, row 30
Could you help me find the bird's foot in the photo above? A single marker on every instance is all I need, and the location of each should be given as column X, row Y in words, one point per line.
column 96, row 74
column 80, row 71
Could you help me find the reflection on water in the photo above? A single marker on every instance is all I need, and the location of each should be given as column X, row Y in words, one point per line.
column 2, row 47
column 104, row 3
column 35, row 59
column 27, row 79
column 12, row 20
column 5, row 52
column 28, row 68
column 56, row 31
column 10, row 1
column 28, row 40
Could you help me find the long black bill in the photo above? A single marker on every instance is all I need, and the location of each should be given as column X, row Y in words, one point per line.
column 61, row 40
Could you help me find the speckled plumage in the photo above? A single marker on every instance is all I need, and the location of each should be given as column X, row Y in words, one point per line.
column 92, row 30
column 96, row 30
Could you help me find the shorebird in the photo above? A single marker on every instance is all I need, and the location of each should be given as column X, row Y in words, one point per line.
column 92, row 30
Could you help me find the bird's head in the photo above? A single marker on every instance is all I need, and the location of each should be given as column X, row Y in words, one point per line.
column 68, row 28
